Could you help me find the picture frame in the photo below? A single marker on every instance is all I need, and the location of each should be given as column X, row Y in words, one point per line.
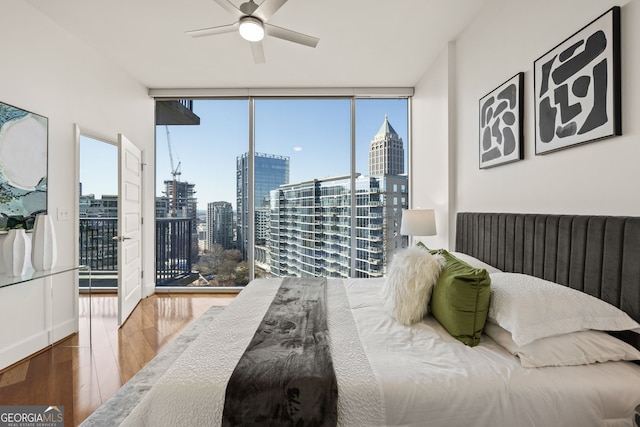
column 577, row 87
column 501, row 136
column 24, row 138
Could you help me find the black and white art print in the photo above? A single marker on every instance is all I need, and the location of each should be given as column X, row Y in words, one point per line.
column 501, row 135
column 577, row 87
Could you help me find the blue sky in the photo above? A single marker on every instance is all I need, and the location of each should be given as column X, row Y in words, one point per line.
column 314, row 133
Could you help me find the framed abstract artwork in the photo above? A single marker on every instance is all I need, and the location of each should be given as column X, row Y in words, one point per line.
column 577, row 87
column 23, row 166
column 501, row 134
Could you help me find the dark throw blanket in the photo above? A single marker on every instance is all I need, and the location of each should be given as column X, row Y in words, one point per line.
column 286, row 376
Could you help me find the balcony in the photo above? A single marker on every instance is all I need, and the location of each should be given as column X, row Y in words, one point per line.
column 176, row 112
column 174, row 251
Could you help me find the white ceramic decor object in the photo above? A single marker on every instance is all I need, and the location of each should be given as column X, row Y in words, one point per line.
column 3, row 236
column 15, row 252
column 44, row 251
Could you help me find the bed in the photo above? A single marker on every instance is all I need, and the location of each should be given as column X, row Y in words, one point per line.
column 389, row 374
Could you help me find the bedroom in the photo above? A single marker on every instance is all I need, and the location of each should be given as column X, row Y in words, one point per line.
column 595, row 178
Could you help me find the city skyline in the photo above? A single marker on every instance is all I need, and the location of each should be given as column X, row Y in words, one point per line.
column 304, row 130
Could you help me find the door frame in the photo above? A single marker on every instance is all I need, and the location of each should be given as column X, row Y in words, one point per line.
column 78, row 133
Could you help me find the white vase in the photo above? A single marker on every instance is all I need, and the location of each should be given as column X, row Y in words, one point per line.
column 3, row 236
column 15, row 252
column 44, row 251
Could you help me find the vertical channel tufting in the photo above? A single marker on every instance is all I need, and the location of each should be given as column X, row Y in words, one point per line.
column 630, row 276
column 468, row 232
column 528, row 243
column 563, row 263
column 459, row 240
column 509, row 244
column 550, row 263
column 612, row 260
column 468, row 225
column 482, row 244
column 518, row 240
column 593, row 256
column 493, row 251
column 475, row 240
column 501, row 244
column 540, row 227
column 578, row 252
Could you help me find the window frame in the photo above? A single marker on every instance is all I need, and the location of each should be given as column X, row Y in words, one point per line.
column 290, row 94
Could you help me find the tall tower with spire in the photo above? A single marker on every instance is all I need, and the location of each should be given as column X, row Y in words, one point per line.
column 386, row 151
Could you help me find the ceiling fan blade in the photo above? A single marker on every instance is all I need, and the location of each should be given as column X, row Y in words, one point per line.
column 268, row 8
column 258, row 52
column 292, row 36
column 230, row 7
column 214, row 30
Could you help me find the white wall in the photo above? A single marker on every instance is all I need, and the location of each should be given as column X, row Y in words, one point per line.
column 49, row 72
column 432, row 126
column 506, row 38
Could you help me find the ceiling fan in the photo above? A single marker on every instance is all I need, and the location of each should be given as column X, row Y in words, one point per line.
column 252, row 25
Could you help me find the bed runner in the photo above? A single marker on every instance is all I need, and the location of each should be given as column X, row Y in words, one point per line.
column 285, row 376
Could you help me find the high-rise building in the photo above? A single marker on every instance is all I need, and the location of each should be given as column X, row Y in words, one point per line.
column 220, row 225
column 92, row 207
column 270, row 171
column 386, row 151
column 181, row 200
column 182, row 203
column 311, row 226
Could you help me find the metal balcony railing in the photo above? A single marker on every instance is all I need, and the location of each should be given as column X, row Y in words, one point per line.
column 174, row 250
column 99, row 250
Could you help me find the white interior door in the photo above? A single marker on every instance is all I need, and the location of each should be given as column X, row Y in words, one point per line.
column 129, row 228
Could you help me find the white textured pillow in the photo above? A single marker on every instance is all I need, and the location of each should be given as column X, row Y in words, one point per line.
column 475, row 262
column 532, row 308
column 575, row 348
column 407, row 289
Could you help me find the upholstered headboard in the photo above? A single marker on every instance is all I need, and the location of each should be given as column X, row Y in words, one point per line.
column 599, row 255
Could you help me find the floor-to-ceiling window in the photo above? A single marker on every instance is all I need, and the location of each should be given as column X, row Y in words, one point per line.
column 196, row 197
column 270, row 187
column 303, row 220
column 382, row 188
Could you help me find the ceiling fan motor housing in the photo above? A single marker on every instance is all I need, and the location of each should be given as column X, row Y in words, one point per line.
column 248, row 7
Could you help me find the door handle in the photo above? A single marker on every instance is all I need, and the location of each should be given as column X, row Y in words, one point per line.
column 121, row 238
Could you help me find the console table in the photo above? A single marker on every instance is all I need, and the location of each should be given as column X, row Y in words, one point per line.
column 31, row 274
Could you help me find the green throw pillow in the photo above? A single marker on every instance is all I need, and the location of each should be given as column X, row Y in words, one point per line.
column 460, row 299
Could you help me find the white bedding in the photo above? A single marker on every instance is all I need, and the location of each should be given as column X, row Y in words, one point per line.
column 410, row 376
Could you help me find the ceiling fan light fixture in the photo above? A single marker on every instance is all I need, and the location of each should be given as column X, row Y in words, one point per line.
column 251, row 29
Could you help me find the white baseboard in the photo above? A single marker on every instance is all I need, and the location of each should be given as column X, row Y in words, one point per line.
column 23, row 348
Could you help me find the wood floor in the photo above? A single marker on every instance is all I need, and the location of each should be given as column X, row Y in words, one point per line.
column 80, row 378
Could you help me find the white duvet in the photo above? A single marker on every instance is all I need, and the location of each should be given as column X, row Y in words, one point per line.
column 392, row 375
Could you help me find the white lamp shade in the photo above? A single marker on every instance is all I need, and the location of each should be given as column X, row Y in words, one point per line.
column 251, row 29
column 418, row 222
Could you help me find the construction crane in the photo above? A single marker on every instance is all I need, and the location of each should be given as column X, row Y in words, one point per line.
column 175, row 172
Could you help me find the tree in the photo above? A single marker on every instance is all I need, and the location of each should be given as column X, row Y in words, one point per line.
column 227, row 265
column 242, row 274
column 206, row 264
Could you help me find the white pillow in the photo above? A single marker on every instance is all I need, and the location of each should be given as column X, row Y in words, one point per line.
column 475, row 262
column 575, row 348
column 532, row 308
column 410, row 279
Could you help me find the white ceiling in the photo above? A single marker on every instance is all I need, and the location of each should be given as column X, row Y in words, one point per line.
column 372, row 43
